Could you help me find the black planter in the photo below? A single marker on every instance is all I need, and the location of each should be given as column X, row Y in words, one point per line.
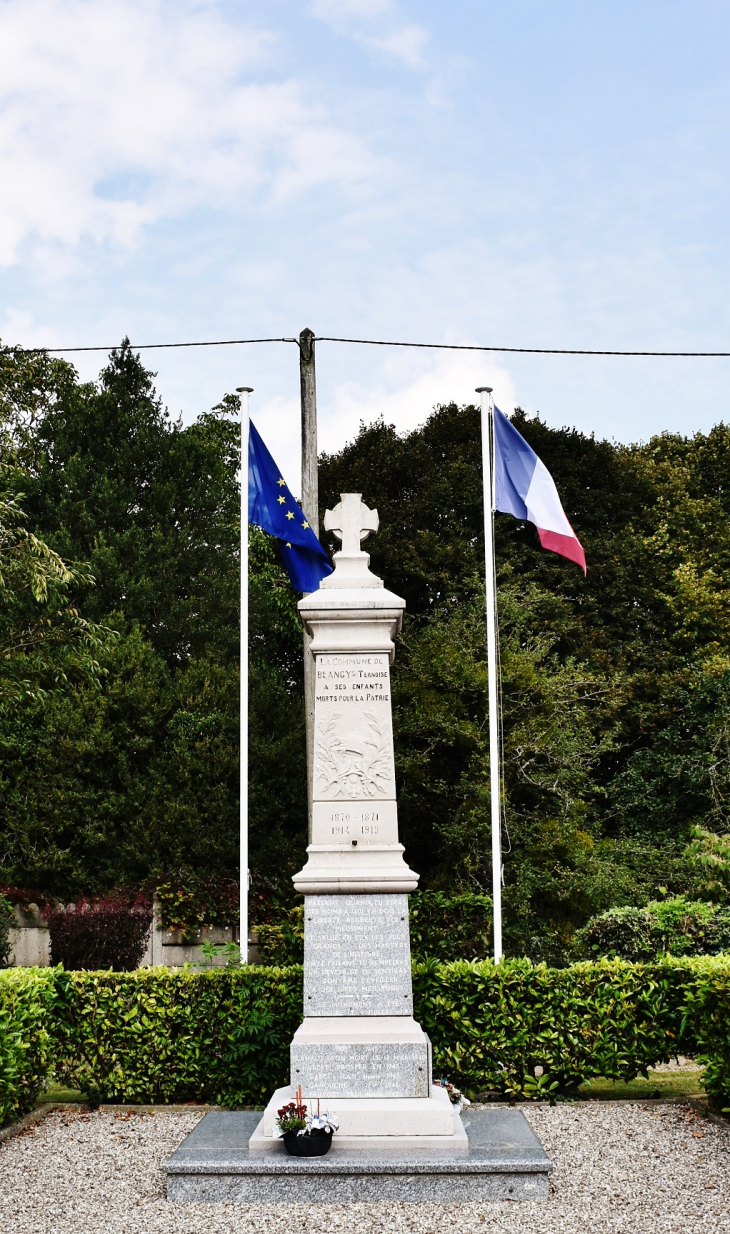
column 314, row 1144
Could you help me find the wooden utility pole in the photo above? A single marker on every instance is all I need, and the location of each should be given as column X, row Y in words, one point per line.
column 308, row 383
column 310, row 506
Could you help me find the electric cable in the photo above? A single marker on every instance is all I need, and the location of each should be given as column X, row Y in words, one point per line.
column 536, row 351
column 372, row 342
column 228, row 342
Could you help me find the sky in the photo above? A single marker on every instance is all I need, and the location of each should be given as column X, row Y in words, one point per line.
column 505, row 172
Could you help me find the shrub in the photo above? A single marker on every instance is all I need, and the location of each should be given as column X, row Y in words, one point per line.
column 492, row 1025
column 157, row 1035
column 27, row 998
column 709, row 854
column 6, row 923
column 107, row 933
column 677, row 926
column 282, row 942
column 188, row 902
column 451, row 927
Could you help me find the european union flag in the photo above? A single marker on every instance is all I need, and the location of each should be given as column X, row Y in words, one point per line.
column 272, row 507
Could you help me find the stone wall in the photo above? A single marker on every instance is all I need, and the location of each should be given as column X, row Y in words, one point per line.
column 30, row 943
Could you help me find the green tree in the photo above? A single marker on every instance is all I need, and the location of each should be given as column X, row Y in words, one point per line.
column 44, row 641
column 615, row 686
column 151, row 504
column 113, row 779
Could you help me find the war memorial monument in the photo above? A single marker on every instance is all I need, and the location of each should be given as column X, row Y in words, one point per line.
column 359, row 1051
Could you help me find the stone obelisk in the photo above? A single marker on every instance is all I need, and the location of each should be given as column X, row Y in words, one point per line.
column 359, row 1050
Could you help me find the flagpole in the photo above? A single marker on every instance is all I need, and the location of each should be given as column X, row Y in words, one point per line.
column 244, row 391
column 310, row 507
column 491, row 605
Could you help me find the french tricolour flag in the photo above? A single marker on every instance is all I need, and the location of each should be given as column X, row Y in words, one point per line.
column 524, row 487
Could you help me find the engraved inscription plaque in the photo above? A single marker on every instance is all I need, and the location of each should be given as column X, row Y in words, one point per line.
column 357, row 955
column 368, row 1069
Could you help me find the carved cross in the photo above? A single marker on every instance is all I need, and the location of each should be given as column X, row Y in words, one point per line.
column 351, row 521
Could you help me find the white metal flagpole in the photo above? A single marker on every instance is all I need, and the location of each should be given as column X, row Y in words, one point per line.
column 244, row 391
column 491, row 599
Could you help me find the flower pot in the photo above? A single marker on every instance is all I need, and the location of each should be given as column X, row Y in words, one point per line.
column 313, row 1144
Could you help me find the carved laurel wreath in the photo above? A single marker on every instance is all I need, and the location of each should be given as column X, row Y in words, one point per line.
column 351, row 764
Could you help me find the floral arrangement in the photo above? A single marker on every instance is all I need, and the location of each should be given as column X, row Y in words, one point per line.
column 456, row 1097
column 294, row 1117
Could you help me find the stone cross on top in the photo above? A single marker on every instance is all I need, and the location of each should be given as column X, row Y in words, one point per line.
column 351, row 521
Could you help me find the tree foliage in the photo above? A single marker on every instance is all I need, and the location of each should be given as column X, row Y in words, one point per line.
column 119, row 584
column 614, row 686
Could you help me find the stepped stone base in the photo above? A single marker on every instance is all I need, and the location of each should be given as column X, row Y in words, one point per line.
column 381, row 1117
column 504, row 1161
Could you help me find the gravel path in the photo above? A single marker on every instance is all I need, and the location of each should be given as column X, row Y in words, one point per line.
column 618, row 1168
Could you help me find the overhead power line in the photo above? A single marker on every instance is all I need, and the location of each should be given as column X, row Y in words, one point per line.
column 535, row 351
column 374, row 342
column 226, row 342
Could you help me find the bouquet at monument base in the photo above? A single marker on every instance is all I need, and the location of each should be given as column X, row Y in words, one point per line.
column 304, row 1134
column 456, row 1097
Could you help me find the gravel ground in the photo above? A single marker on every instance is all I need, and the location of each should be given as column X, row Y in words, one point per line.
column 627, row 1167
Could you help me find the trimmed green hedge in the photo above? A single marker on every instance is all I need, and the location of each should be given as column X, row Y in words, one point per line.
column 27, row 998
column 492, row 1025
column 159, row 1035
column 708, row 1012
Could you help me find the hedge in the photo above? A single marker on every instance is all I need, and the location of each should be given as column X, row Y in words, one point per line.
column 160, row 1035
column 27, row 1030
column 492, row 1025
column 708, row 1012
column 222, row 1036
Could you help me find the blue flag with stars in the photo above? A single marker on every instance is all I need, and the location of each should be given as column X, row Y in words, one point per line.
column 272, row 507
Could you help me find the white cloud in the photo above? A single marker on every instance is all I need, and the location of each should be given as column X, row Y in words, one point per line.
column 407, row 388
column 335, row 10
column 356, row 19
column 406, row 44
column 115, row 115
column 404, row 389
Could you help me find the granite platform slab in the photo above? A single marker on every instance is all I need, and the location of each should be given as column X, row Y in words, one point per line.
column 213, row 1165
